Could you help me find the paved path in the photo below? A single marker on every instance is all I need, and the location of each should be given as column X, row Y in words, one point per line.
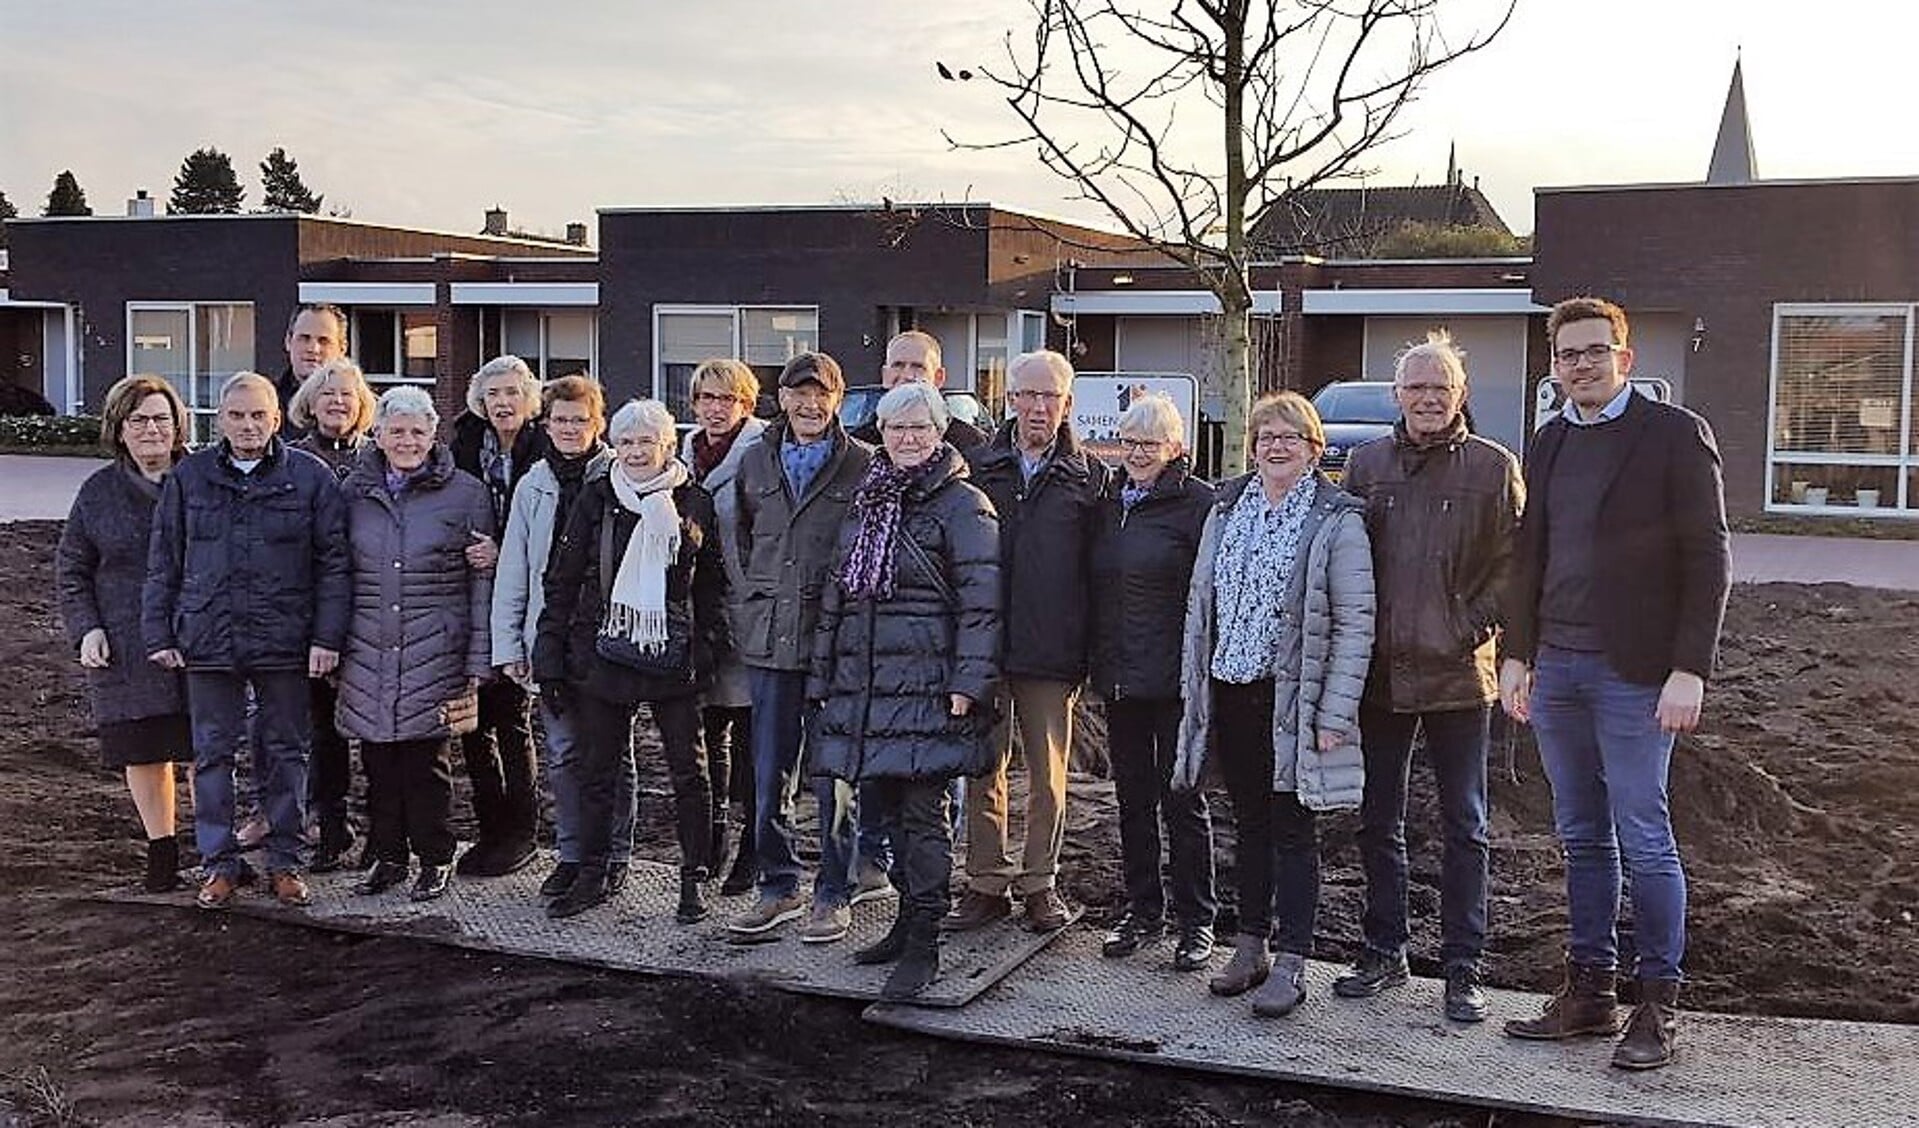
column 41, row 489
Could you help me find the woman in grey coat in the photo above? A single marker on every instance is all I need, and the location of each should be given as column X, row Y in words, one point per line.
column 1279, row 633
column 724, row 392
column 140, row 708
column 419, row 642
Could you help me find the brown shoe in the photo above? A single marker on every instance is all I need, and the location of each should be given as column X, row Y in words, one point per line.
column 1649, row 1033
column 1586, row 1003
column 1248, row 968
column 977, row 910
column 1046, row 911
column 217, row 892
column 290, row 888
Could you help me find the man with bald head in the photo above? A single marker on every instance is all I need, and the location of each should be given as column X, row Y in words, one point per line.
column 913, row 357
column 248, row 589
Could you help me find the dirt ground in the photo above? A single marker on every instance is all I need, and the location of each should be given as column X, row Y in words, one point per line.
column 1797, row 806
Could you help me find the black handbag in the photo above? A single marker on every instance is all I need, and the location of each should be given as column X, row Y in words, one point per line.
column 672, row 662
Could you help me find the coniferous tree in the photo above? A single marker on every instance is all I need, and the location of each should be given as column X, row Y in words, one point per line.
column 67, row 197
column 7, row 211
column 206, row 185
column 285, row 191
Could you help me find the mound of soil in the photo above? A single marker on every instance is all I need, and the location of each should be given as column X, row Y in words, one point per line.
column 1797, row 806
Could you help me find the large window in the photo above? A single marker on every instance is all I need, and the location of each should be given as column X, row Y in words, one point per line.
column 1844, row 434
column 554, row 343
column 195, row 346
column 396, row 346
column 765, row 337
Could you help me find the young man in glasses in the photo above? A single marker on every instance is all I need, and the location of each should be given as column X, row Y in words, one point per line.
column 1441, row 507
column 1620, row 581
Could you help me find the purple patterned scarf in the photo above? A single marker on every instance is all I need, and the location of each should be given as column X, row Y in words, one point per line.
column 868, row 571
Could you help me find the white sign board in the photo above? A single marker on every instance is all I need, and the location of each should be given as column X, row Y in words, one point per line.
column 1100, row 398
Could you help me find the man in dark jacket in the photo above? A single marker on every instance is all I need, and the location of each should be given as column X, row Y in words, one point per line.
column 1619, row 591
column 1047, row 490
column 315, row 335
column 1441, row 506
column 247, row 588
column 793, row 490
column 913, row 357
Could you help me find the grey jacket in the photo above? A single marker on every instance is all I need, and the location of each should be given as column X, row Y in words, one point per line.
column 729, row 687
column 525, row 548
column 786, row 546
column 1324, row 653
column 99, row 568
column 419, row 625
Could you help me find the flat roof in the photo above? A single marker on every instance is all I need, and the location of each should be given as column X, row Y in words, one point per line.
column 1807, row 182
column 554, row 244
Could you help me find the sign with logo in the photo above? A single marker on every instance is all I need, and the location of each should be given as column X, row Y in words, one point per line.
column 1100, row 398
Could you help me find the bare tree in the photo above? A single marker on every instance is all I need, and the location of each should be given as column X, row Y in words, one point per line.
column 1190, row 125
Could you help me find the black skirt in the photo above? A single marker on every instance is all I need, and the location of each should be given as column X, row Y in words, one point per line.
column 166, row 739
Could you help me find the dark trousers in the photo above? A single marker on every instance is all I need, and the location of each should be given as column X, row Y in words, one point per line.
column 409, row 792
column 1277, row 858
column 279, row 728
column 729, row 766
column 331, row 774
column 499, row 763
column 1456, row 747
column 1144, row 738
column 913, row 813
column 607, row 753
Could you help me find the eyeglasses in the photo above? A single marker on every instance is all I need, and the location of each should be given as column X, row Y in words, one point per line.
column 161, row 422
column 909, row 430
column 1591, row 354
column 1290, row 440
column 1034, row 395
column 569, row 422
column 638, row 442
column 1143, row 446
column 1423, row 391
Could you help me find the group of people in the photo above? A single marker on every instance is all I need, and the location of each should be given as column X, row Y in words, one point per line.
column 881, row 616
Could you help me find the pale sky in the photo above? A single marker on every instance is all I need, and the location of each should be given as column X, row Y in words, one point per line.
column 426, row 114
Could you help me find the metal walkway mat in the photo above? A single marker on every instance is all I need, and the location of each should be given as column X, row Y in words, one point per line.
column 635, row 932
column 1763, row 1072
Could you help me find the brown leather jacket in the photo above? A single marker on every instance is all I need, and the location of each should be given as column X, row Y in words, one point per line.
column 1441, row 518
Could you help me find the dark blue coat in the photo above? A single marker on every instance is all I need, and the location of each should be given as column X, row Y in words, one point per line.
column 248, row 571
column 1142, row 569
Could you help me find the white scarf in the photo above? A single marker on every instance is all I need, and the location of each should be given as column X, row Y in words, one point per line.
column 636, row 610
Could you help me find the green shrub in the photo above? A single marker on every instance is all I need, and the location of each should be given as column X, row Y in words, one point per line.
column 62, row 432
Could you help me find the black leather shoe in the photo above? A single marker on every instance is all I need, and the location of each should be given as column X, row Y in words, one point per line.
column 336, row 842
column 1465, row 999
column 1130, row 934
column 1374, row 972
column 744, row 875
column 382, row 877
column 560, row 880
column 589, row 889
column 1194, row 950
column 432, row 883
column 478, row 861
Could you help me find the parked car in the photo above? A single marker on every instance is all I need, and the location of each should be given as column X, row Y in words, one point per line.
column 1353, row 412
column 862, row 402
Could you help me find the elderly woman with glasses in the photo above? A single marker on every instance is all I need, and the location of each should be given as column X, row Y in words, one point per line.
column 495, row 441
column 905, row 661
column 1149, row 527
column 1278, row 638
column 420, row 638
column 99, row 567
column 635, row 614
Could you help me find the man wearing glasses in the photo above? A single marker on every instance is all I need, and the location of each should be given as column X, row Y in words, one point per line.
column 1047, row 489
column 1619, row 590
column 1441, row 507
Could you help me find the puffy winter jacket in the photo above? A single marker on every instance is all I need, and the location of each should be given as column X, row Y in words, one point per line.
column 526, row 548
column 886, row 668
column 580, row 577
column 419, row 628
column 1047, row 528
column 1142, row 568
column 247, row 571
column 729, row 686
column 1320, row 672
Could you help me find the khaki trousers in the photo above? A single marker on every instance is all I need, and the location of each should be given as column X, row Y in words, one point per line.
column 1044, row 710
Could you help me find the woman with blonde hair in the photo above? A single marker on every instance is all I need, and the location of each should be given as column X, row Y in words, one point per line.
column 99, row 569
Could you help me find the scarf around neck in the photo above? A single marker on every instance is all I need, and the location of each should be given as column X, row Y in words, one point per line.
column 868, row 571
column 636, row 608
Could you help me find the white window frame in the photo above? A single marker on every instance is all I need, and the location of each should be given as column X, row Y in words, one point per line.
column 1905, row 462
column 191, row 309
column 544, row 312
column 660, row 308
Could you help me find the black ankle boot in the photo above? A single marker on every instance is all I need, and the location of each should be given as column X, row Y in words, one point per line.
column 919, row 962
column 692, row 907
column 745, row 873
column 887, row 948
column 163, row 864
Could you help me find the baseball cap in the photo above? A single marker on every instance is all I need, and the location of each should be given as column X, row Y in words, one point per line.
column 815, row 368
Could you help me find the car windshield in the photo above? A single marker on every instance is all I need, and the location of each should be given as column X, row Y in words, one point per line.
column 1356, row 403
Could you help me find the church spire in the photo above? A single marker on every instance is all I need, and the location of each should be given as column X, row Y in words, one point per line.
column 1732, row 159
column 1452, row 164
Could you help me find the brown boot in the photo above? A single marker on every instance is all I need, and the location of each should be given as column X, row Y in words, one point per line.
column 1649, row 1033
column 1586, row 1003
column 1248, row 968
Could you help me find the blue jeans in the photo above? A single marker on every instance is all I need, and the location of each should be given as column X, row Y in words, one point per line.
column 1456, row 749
column 1603, row 750
column 563, row 778
column 280, row 729
column 779, row 735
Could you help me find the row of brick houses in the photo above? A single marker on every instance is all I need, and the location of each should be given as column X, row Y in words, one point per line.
column 1782, row 311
